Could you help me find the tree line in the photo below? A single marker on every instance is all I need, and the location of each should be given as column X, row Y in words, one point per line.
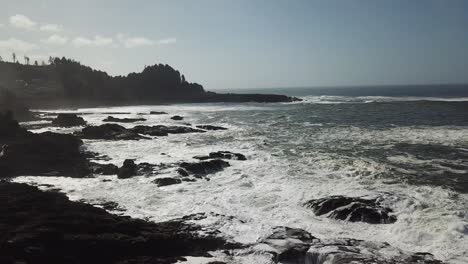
column 77, row 82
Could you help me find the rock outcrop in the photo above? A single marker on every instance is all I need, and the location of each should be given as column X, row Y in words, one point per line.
column 210, row 127
column 68, row 120
column 128, row 169
column 104, row 169
column 122, row 120
column 161, row 131
column 222, row 155
column 177, row 118
column 200, row 169
column 26, row 153
column 46, row 227
column 166, row 181
column 352, row 209
column 109, row 132
column 157, row 113
column 294, row 245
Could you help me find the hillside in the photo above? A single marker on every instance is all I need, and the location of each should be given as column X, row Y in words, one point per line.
column 65, row 82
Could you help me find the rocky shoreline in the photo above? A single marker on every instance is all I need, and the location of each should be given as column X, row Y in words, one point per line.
column 46, row 227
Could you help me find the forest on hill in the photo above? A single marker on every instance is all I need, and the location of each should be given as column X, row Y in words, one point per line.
column 66, row 82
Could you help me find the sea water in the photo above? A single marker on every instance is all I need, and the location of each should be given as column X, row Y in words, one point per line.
column 411, row 151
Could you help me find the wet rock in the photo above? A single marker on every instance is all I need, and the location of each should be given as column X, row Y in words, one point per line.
column 46, row 227
column 111, row 206
column 68, row 120
column 128, row 169
column 209, row 127
column 145, row 168
column 166, row 181
column 293, row 245
column 222, row 155
column 162, row 131
column 109, row 132
column 25, row 153
column 122, row 120
column 177, row 118
column 352, row 209
column 204, row 167
column 157, row 113
column 183, row 172
column 104, row 169
column 288, row 245
column 10, row 128
column 336, row 251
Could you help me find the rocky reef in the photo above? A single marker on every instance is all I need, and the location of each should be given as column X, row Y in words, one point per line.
column 46, row 227
column 353, row 209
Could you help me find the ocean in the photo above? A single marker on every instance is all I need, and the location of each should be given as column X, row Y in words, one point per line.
column 410, row 151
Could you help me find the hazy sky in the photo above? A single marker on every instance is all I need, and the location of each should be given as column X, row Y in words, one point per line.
column 250, row 43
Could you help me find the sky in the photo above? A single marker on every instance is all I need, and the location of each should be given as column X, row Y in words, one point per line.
column 225, row 44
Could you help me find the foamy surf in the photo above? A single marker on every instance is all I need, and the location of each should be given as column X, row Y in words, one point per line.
column 293, row 156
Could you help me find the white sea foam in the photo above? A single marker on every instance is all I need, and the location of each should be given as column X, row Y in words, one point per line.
column 330, row 99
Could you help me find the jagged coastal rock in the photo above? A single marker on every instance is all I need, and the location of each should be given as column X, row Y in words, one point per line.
column 45, row 227
column 210, row 127
column 109, row 132
column 222, row 155
column 158, row 113
column 353, row 209
column 294, row 245
column 166, row 181
column 122, row 120
column 68, row 120
column 202, row 168
column 26, row 153
column 161, row 131
column 177, row 118
column 128, row 169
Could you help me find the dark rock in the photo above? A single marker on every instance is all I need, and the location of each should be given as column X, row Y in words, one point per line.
column 111, row 206
column 122, row 120
column 157, row 113
column 25, row 153
column 222, row 155
column 114, row 113
column 68, row 120
column 182, row 172
column 352, row 209
column 209, row 127
column 358, row 251
column 104, row 169
column 10, row 128
column 45, row 227
column 204, row 167
column 293, row 245
column 297, row 242
column 162, row 131
column 145, row 168
column 166, row 181
column 128, row 169
column 177, row 117
column 109, row 132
